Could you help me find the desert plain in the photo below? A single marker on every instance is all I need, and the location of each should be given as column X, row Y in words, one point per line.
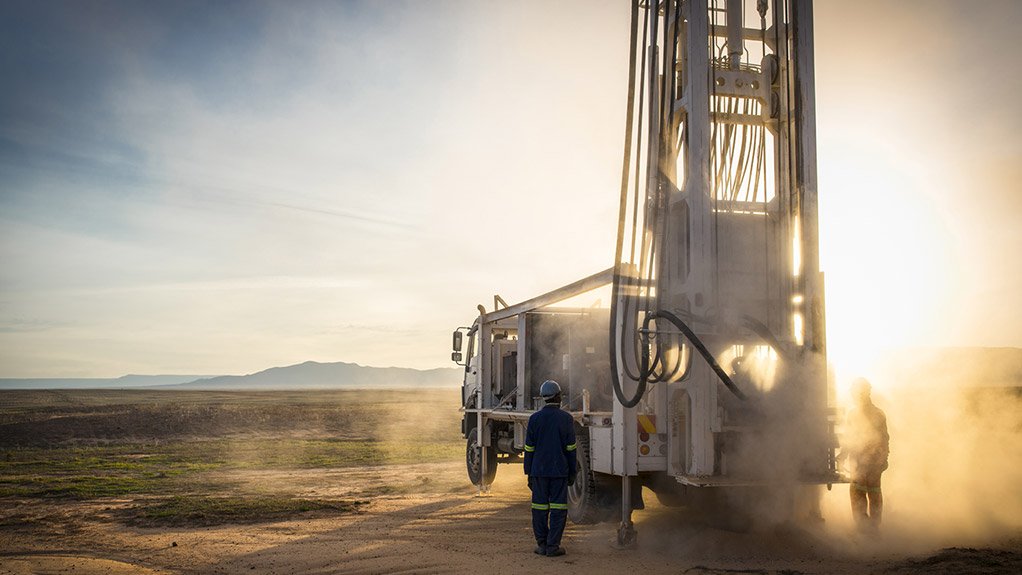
column 357, row 481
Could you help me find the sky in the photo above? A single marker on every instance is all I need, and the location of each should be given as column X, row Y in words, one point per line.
column 215, row 188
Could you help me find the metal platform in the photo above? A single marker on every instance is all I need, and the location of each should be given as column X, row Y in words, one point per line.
column 722, row 481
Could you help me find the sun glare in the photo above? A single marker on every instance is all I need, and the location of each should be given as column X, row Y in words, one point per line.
column 889, row 265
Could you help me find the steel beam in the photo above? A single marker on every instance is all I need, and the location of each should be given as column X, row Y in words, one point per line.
column 560, row 294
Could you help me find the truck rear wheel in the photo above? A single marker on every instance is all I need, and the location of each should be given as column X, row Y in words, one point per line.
column 474, row 459
column 594, row 497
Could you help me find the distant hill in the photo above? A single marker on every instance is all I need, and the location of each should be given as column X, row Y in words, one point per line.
column 125, row 381
column 338, row 375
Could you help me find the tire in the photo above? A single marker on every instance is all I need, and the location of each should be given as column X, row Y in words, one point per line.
column 595, row 497
column 473, row 459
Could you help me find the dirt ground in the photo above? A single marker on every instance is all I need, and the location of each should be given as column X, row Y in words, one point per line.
column 444, row 527
column 84, row 476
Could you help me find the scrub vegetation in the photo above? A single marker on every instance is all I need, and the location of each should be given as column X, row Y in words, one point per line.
column 188, row 457
column 191, row 511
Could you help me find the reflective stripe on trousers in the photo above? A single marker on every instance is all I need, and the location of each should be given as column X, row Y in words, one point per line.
column 549, row 509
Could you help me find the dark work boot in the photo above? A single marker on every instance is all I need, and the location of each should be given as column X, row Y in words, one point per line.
column 555, row 551
column 540, row 550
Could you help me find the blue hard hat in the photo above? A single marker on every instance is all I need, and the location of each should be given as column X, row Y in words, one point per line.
column 550, row 388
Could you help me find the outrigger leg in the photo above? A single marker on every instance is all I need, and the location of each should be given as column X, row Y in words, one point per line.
column 626, row 535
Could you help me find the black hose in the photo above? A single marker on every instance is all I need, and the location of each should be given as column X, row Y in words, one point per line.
column 698, row 345
column 679, row 364
column 758, row 328
column 616, row 287
column 628, row 312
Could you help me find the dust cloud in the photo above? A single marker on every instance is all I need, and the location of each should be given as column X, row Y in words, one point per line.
column 956, row 450
column 955, row 429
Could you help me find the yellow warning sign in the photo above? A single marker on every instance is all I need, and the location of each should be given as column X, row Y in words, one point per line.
column 647, row 424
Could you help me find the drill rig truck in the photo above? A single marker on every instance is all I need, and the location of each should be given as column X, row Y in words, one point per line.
column 705, row 379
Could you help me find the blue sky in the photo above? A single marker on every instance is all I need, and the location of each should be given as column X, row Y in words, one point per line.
column 224, row 187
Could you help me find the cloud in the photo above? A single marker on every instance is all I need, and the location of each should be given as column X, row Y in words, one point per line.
column 207, row 187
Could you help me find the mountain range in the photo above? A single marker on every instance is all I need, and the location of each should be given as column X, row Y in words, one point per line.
column 971, row 366
column 123, row 382
column 338, row 375
column 308, row 375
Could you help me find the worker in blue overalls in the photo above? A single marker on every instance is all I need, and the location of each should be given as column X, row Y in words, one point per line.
column 551, row 466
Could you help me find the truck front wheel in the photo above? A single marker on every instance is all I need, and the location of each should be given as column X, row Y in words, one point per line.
column 474, row 459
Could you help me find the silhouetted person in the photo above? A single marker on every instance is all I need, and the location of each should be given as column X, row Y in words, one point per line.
column 867, row 446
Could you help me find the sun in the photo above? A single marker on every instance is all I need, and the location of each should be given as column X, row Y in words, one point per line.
column 889, row 264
